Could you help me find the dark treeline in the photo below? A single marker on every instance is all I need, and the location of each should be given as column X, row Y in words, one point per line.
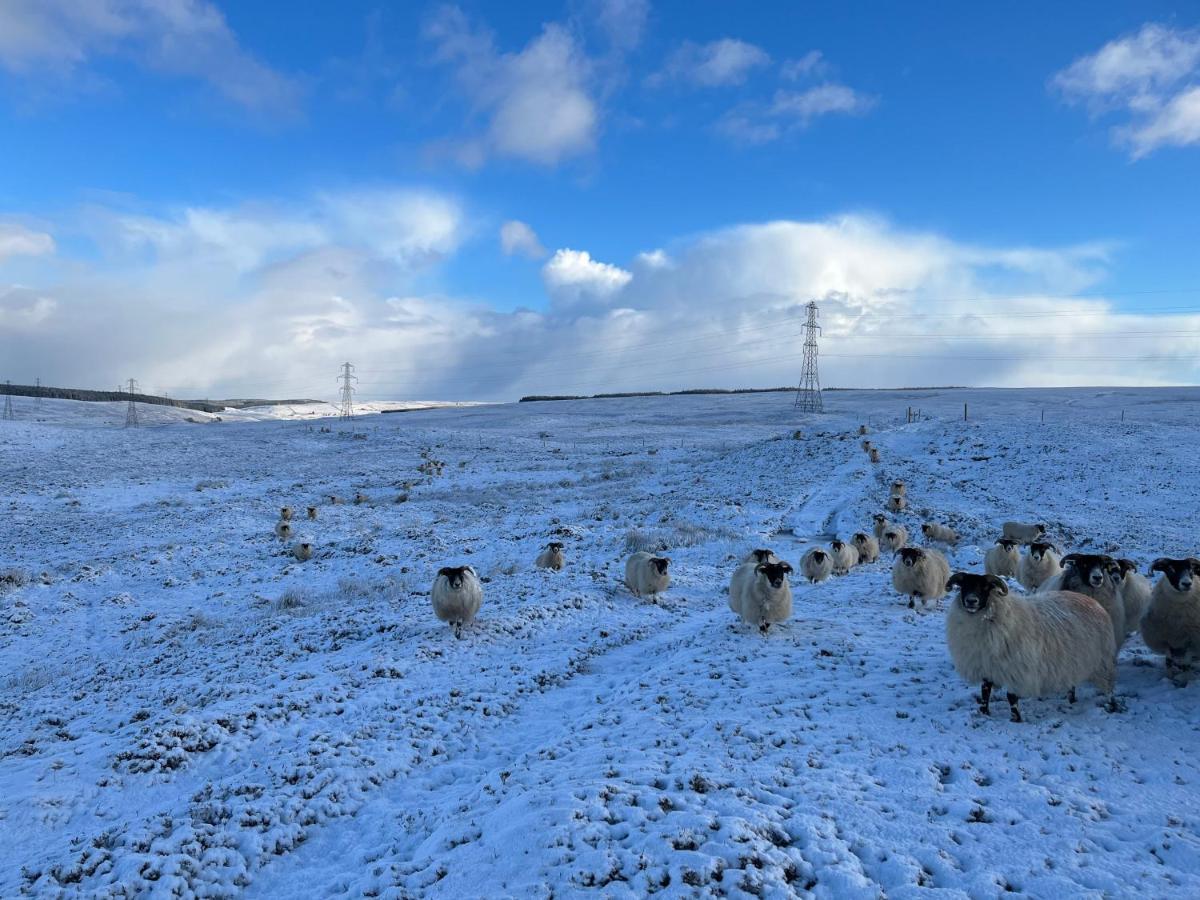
column 211, row 406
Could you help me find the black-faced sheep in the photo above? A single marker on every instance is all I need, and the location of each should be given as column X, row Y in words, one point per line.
column 760, row 593
column 894, row 539
column 867, row 547
column 845, row 556
column 896, row 504
column 881, row 525
column 303, row 551
column 285, row 514
column 1134, row 590
column 646, row 574
column 761, row 555
column 816, row 565
column 1039, row 564
column 936, row 533
column 312, row 512
column 283, row 530
column 1048, row 644
column 1022, row 532
column 551, row 557
column 874, row 454
column 457, row 595
column 920, row 574
column 1004, row 559
column 1092, row 575
column 1171, row 625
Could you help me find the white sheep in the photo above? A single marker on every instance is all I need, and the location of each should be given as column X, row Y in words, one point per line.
column 939, row 534
column 1032, row 647
column 1022, row 532
column 761, row 555
column 1092, row 575
column 1134, row 590
column 312, row 512
column 896, row 504
column 551, row 557
column 335, row 500
column 303, row 551
column 285, row 514
column 874, row 452
column 1004, row 559
column 881, row 525
column 1171, row 625
column 866, row 445
column 919, row 573
column 862, row 429
column 894, row 539
column 646, row 574
column 760, row 593
column 457, row 596
column 361, row 498
column 816, row 565
column 899, row 489
column 283, row 530
column 1040, row 564
column 844, row 556
column 867, row 547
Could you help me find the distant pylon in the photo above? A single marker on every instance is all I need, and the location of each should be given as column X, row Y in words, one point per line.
column 347, row 376
column 38, row 401
column 8, row 410
column 808, row 395
column 131, row 416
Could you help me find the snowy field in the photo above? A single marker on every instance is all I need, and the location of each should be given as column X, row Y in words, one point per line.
column 185, row 710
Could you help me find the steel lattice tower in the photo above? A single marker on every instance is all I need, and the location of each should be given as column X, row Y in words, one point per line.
column 8, row 410
column 808, row 395
column 347, row 376
column 131, row 416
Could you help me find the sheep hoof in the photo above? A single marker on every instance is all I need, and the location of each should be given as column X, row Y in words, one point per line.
column 1114, row 705
column 763, row 627
column 1012, row 705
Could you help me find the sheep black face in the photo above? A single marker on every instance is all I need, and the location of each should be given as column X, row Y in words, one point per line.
column 880, row 518
column 1178, row 571
column 859, row 538
column 1038, row 549
column 1123, row 568
column 1007, row 543
column 836, row 546
column 776, row 572
column 1089, row 568
column 660, row 564
column 761, row 555
column 910, row 555
column 819, row 556
column 554, row 546
column 925, row 529
column 456, row 575
column 975, row 591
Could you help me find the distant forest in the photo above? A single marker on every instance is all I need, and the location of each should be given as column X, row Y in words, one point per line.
column 209, row 406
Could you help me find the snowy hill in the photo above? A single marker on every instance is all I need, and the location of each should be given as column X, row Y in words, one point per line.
column 187, row 710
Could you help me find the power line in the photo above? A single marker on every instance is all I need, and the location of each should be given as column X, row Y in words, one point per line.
column 131, row 413
column 808, row 394
column 347, row 376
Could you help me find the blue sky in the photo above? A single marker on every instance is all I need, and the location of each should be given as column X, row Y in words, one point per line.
column 165, row 159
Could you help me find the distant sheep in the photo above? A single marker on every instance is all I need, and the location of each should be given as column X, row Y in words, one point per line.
column 335, row 500
column 899, row 489
column 646, row 574
column 1092, row 575
column 1025, row 534
column 867, row 547
column 866, row 445
column 1039, row 564
column 761, row 555
column 881, row 525
column 285, row 514
column 312, row 511
column 360, row 499
column 939, row 534
column 1032, row 647
column 874, row 454
column 760, row 593
column 862, row 429
column 303, row 551
column 283, row 530
column 1004, row 559
column 894, row 539
column 896, row 504
column 1134, row 590
column 457, row 596
column 1171, row 625
column 551, row 557
column 920, row 574
column 816, row 565
column 844, row 556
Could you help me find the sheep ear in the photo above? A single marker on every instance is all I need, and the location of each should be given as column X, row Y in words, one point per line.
column 761, row 567
column 1195, row 565
column 1069, row 559
column 956, row 580
column 786, row 567
column 1159, row 565
column 997, row 584
column 445, row 570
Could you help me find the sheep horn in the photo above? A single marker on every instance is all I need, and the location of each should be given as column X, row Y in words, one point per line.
column 1159, row 565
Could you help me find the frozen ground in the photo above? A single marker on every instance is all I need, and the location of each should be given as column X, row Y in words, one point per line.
column 186, row 711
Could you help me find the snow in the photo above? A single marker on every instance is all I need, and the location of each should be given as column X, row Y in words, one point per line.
column 185, row 710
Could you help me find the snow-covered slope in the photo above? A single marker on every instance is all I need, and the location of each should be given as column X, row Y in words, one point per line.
column 185, row 710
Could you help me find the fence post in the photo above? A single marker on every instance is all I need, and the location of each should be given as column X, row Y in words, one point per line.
column 964, row 412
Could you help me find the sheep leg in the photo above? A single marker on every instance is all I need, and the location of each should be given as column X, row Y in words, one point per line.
column 1176, row 670
column 1071, row 695
column 1012, row 706
column 763, row 626
column 1113, row 705
column 985, row 698
column 458, row 630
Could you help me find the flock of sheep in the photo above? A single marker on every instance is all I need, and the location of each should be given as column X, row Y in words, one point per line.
column 1065, row 630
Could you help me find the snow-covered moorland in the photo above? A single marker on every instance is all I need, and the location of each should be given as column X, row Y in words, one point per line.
column 186, row 710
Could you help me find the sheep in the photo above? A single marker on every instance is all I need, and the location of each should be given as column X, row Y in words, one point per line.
column 1038, row 565
column 867, row 547
column 1171, row 625
column 361, row 498
column 335, row 500
column 1029, row 646
column 761, row 555
column 1003, row 559
column 874, row 454
column 899, row 489
column 817, row 565
column 939, row 534
column 283, row 530
column 303, row 551
column 312, row 511
column 646, row 573
column 922, row 573
column 844, row 556
column 881, row 525
column 760, row 593
column 285, row 514
column 1134, row 591
column 1091, row 575
column 862, row 429
column 866, row 445
column 457, row 596
column 551, row 557
column 896, row 504
column 895, row 538
column 1019, row 531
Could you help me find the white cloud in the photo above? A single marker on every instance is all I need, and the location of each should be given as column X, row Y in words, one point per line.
column 1152, row 75
column 188, row 38
column 822, row 100
column 572, row 275
column 722, row 62
column 537, row 102
column 811, row 63
column 17, row 240
column 518, row 238
column 622, row 21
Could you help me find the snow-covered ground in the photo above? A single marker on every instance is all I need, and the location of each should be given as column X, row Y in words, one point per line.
column 187, row 711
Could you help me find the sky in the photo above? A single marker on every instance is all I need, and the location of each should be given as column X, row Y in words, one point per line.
column 485, row 200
